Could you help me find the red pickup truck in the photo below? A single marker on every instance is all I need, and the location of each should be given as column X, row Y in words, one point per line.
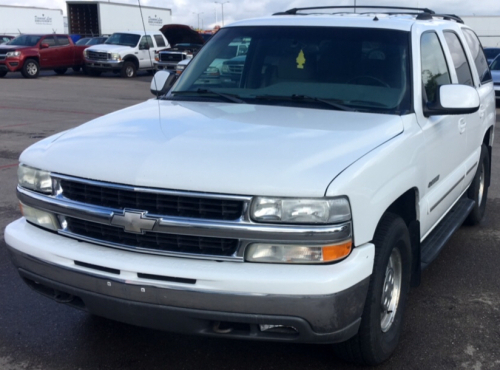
column 31, row 53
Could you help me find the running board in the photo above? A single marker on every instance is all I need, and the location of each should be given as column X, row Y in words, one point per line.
column 437, row 239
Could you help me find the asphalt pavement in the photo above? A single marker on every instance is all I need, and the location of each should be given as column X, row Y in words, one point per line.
column 452, row 320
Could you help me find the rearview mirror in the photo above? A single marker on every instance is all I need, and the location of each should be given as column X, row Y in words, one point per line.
column 44, row 46
column 162, row 82
column 453, row 99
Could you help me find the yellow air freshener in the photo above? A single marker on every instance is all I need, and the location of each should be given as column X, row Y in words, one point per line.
column 301, row 60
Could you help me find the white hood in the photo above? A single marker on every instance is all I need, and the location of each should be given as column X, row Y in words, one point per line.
column 216, row 147
column 108, row 48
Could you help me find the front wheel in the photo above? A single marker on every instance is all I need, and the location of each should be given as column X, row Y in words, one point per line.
column 30, row 69
column 128, row 70
column 3, row 74
column 478, row 189
column 382, row 318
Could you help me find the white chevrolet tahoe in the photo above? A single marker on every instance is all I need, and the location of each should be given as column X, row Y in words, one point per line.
column 297, row 203
column 124, row 53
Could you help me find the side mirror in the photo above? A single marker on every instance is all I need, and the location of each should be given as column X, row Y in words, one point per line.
column 162, row 82
column 453, row 99
column 44, row 46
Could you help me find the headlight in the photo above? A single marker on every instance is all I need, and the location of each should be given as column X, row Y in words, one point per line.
column 301, row 211
column 286, row 253
column 157, row 57
column 12, row 54
column 86, row 53
column 115, row 56
column 179, row 69
column 34, row 179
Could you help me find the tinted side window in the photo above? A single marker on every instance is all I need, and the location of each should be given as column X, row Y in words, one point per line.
column 49, row 40
column 146, row 41
column 460, row 62
column 62, row 40
column 159, row 41
column 434, row 69
column 478, row 55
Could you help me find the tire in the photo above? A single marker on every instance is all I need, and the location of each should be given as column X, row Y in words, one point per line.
column 31, row 68
column 93, row 73
column 128, row 70
column 76, row 69
column 60, row 71
column 381, row 325
column 3, row 74
column 478, row 189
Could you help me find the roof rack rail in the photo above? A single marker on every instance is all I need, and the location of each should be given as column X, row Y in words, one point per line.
column 295, row 10
column 420, row 13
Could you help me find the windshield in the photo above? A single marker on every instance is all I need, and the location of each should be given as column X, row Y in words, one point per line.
column 82, row 41
column 25, row 40
column 125, row 39
column 366, row 70
column 495, row 65
column 96, row 41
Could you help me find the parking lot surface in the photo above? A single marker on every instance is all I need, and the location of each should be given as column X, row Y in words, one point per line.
column 452, row 320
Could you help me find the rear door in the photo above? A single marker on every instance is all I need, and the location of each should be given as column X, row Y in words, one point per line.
column 66, row 51
column 146, row 52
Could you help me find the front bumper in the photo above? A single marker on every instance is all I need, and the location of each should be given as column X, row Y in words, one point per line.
column 103, row 65
column 323, row 303
column 12, row 64
column 168, row 66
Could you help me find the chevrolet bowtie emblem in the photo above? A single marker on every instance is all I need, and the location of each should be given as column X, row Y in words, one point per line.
column 134, row 221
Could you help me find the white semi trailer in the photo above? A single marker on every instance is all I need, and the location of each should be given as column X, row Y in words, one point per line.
column 22, row 19
column 487, row 27
column 92, row 18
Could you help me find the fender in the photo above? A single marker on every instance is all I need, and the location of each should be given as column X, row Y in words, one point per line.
column 376, row 180
column 132, row 58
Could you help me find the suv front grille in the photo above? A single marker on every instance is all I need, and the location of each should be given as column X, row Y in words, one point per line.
column 154, row 242
column 94, row 55
column 154, row 203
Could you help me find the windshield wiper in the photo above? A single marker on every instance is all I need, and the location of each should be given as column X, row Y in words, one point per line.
column 332, row 103
column 229, row 97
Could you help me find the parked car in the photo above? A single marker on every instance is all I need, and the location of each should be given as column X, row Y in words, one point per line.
column 124, row 53
column 83, row 41
column 495, row 73
column 299, row 205
column 184, row 44
column 92, row 40
column 5, row 38
column 491, row 53
column 29, row 54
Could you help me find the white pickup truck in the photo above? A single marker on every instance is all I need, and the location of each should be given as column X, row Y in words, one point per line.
column 297, row 203
column 125, row 53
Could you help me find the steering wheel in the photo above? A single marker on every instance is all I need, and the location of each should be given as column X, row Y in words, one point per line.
column 377, row 80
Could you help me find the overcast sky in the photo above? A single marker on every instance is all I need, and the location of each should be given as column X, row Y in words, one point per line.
column 183, row 11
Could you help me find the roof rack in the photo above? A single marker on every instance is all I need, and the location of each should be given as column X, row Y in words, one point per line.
column 420, row 13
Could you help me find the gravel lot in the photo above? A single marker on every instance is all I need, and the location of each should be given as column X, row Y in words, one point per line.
column 452, row 321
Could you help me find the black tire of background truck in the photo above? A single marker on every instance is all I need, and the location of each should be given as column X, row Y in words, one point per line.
column 478, row 189
column 31, row 68
column 128, row 70
column 93, row 73
column 60, row 71
column 371, row 345
column 3, row 73
column 76, row 69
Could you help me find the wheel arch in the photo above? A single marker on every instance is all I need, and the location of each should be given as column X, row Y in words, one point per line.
column 488, row 141
column 133, row 59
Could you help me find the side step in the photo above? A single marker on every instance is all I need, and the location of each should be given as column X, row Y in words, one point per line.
column 436, row 240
